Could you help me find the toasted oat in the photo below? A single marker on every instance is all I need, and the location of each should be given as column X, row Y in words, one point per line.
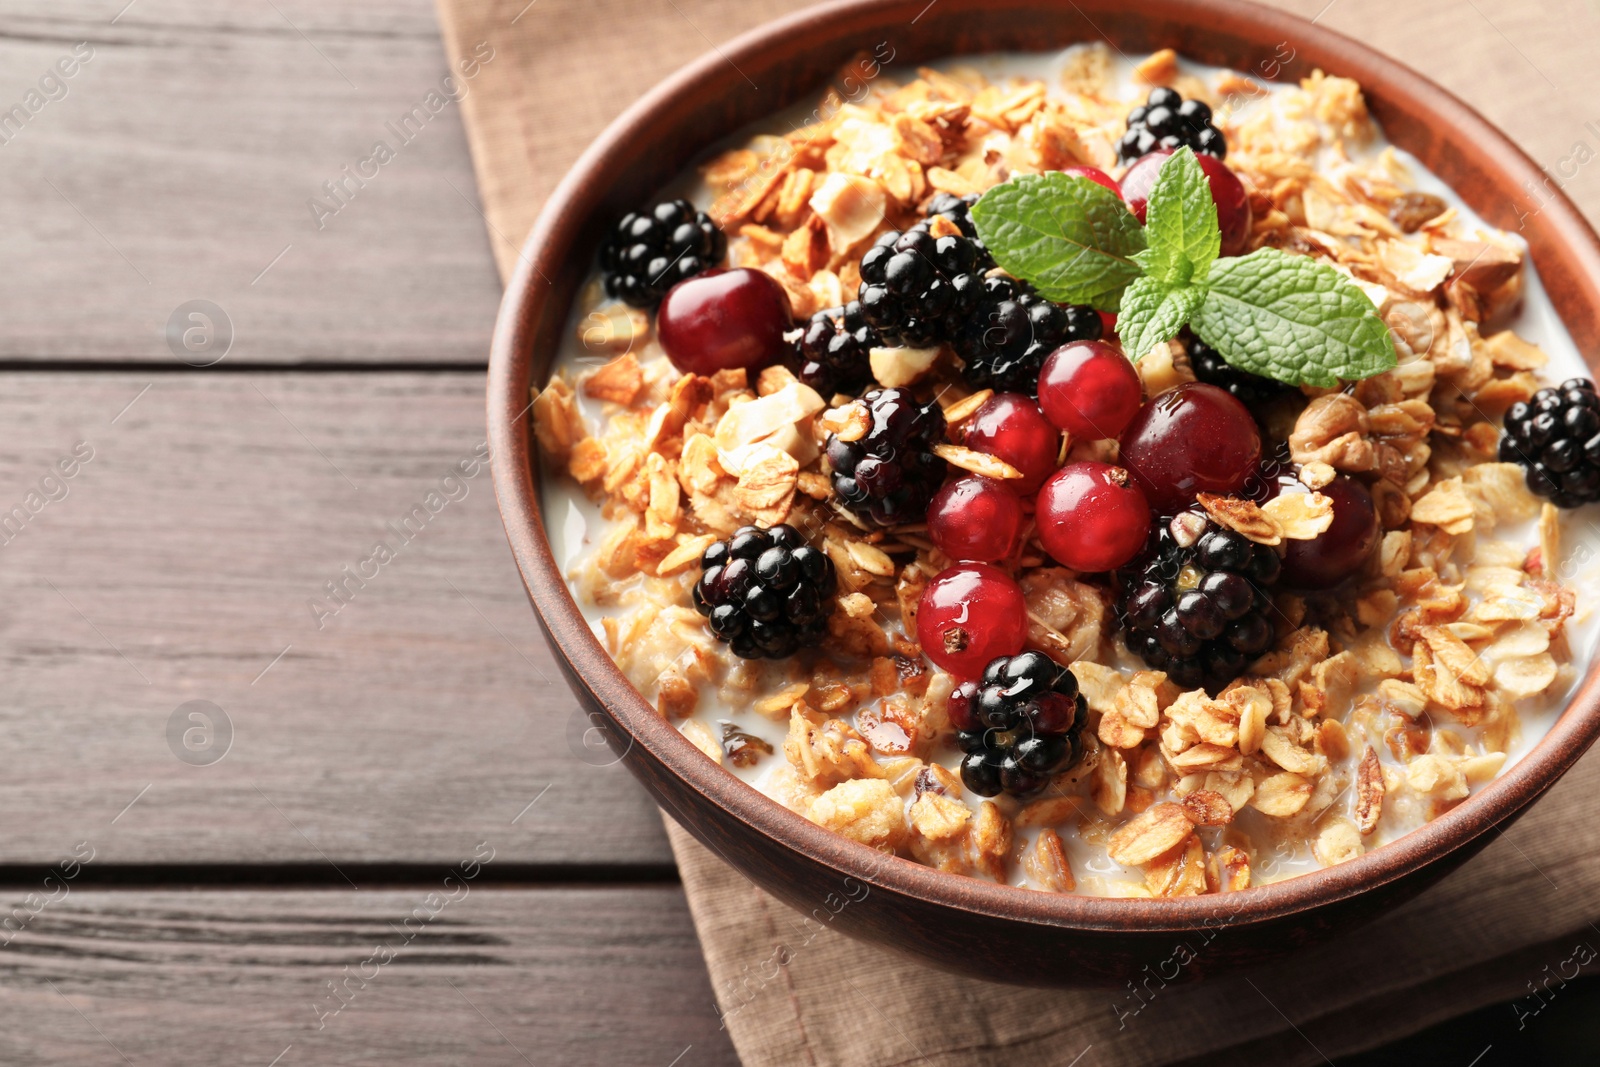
column 1228, row 870
column 1337, row 842
column 1244, row 517
column 1300, row 516
column 690, row 548
column 964, row 409
column 1278, row 745
column 976, row 462
column 1316, row 475
column 1159, row 68
column 619, row 381
column 766, row 486
column 938, row 817
column 1046, row 863
column 1281, row 795
column 700, row 735
column 747, row 423
column 1179, row 872
column 1110, row 788
column 1147, row 835
column 870, row 558
column 1446, row 506
column 852, row 207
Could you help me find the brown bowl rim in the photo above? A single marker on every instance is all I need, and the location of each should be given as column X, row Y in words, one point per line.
column 590, row 667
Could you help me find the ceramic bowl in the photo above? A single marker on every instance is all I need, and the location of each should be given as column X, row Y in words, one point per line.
column 953, row 922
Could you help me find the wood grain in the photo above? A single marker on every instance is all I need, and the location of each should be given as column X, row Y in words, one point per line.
column 180, row 164
column 558, row 976
column 424, row 716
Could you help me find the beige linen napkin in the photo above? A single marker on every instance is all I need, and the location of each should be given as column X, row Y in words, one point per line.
column 1521, row 912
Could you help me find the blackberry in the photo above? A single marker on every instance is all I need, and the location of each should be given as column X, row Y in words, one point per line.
column 1556, row 438
column 958, row 209
column 1167, row 120
column 1018, row 726
column 890, row 475
column 1252, row 390
column 1195, row 603
column 648, row 252
column 1012, row 330
column 917, row 289
column 832, row 353
column 765, row 592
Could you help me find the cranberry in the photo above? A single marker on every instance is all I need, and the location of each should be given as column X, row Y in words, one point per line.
column 1340, row 550
column 1011, row 427
column 975, row 518
column 1233, row 203
column 1094, row 174
column 970, row 614
column 1090, row 390
column 1108, row 324
column 1092, row 517
column 724, row 319
column 1194, row 438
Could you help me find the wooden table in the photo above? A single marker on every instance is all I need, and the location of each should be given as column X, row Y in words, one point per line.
column 281, row 880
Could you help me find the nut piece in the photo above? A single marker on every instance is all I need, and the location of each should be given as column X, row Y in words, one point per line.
column 1146, row 836
column 1332, row 430
column 1369, row 792
column 894, row 367
column 1206, row 808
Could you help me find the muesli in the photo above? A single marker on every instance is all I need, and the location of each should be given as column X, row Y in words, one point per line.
column 1095, row 484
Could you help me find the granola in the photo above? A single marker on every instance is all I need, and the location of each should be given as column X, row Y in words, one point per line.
column 1373, row 710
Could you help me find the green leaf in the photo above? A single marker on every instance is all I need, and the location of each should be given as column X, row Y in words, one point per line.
column 1293, row 319
column 1073, row 239
column 1180, row 223
column 1153, row 313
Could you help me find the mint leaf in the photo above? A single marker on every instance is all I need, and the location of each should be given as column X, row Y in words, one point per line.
column 1293, row 319
column 1073, row 239
column 1180, row 223
column 1153, row 313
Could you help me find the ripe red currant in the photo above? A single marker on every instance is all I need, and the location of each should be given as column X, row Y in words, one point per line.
column 1191, row 439
column 724, row 319
column 1090, row 390
column 1342, row 549
column 1233, row 203
column 1092, row 517
column 1011, row 427
column 975, row 518
column 970, row 614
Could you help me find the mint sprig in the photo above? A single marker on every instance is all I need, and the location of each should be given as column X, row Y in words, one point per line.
column 1282, row 316
column 1074, row 240
column 1180, row 223
column 1293, row 319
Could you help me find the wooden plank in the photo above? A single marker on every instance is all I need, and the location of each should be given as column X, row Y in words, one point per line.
column 180, row 164
column 179, row 563
column 560, row 976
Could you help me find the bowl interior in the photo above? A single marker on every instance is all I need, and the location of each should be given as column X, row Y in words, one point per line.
column 792, row 60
